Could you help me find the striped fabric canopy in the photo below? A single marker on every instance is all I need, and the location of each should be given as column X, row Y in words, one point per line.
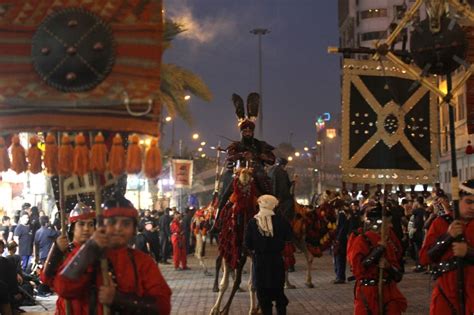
column 29, row 104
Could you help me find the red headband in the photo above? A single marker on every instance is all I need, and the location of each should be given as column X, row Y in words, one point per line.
column 121, row 212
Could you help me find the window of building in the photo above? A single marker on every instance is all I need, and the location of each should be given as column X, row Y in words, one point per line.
column 373, row 13
column 372, row 36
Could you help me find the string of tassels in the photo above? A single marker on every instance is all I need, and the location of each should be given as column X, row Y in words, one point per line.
column 99, row 154
column 134, row 155
column 4, row 157
column 81, row 156
column 18, row 164
column 34, row 156
column 67, row 159
column 153, row 162
column 51, row 155
column 117, row 156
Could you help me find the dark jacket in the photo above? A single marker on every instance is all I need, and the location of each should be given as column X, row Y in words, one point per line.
column 268, row 267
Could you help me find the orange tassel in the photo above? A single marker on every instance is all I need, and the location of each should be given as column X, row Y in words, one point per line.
column 19, row 164
column 4, row 157
column 117, row 156
column 81, row 156
column 51, row 155
column 66, row 154
column 134, row 155
column 34, row 156
column 99, row 154
column 153, row 160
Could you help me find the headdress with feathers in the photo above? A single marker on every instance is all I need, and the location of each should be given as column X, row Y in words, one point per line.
column 253, row 103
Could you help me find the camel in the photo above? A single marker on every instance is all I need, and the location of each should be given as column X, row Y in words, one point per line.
column 235, row 215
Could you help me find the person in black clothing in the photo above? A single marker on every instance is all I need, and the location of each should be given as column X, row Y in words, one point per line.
column 265, row 238
column 140, row 239
column 23, row 236
column 153, row 239
column 165, row 234
column 44, row 239
column 418, row 217
column 340, row 243
column 8, row 284
column 5, row 229
column 186, row 224
column 281, row 188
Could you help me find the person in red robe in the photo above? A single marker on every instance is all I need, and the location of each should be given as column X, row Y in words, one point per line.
column 446, row 240
column 179, row 243
column 366, row 254
column 80, row 229
column 133, row 283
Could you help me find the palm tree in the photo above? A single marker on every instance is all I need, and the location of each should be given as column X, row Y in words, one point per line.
column 177, row 82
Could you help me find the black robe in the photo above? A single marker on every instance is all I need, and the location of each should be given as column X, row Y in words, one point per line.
column 268, row 267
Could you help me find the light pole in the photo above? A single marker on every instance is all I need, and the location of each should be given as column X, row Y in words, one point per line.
column 260, row 32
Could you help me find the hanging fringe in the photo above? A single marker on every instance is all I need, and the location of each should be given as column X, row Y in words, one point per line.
column 19, row 164
column 99, row 154
column 153, row 160
column 66, row 154
column 4, row 157
column 117, row 156
column 134, row 155
column 51, row 155
column 34, row 156
column 81, row 156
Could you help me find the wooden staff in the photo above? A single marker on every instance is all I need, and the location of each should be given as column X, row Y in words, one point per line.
column 62, row 215
column 383, row 233
column 104, row 267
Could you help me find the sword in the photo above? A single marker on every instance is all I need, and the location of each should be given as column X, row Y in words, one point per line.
column 32, row 298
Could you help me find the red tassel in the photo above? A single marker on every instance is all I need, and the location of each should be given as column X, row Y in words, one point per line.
column 153, row 160
column 51, row 155
column 81, row 156
column 4, row 157
column 117, row 156
column 99, row 154
column 19, row 164
column 134, row 155
column 66, row 154
column 34, row 156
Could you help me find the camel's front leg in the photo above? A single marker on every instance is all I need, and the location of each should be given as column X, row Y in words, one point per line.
column 223, row 287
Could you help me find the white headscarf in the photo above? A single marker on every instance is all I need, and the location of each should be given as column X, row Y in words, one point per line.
column 264, row 216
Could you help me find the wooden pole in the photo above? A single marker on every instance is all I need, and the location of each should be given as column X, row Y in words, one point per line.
column 104, row 268
column 62, row 215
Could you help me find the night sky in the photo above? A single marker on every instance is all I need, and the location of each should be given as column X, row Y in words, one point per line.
column 300, row 80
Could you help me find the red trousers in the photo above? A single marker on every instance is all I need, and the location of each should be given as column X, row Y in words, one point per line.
column 179, row 250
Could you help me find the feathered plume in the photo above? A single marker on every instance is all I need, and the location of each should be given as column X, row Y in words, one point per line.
column 239, row 106
column 253, row 103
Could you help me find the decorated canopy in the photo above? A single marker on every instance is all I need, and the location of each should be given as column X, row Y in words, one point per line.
column 67, row 64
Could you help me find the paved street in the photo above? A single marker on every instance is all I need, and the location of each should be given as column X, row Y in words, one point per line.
column 192, row 291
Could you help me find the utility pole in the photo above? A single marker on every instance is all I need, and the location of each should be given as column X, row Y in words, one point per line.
column 260, row 32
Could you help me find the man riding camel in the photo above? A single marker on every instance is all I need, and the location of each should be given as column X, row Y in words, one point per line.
column 248, row 151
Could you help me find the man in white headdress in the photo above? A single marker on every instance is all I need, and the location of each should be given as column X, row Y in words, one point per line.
column 265, row 237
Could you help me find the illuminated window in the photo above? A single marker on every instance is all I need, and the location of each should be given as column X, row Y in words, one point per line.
column 373, row 13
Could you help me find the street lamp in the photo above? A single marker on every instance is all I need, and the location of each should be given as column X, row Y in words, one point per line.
column 259, row 32
column 203, row 143
column 199, row 149
column 195, row 136
column 290, row 158
column 306, row 149
column 187, row 97
column 168, row 118
column 297, row 154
